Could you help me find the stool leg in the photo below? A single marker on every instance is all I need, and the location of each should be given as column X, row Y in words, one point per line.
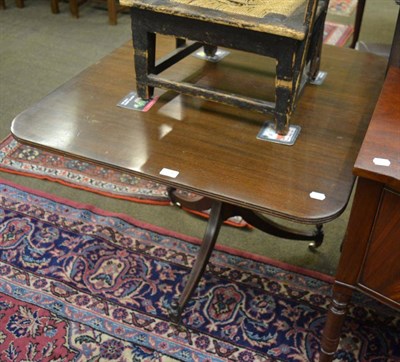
column 20, row 3
column 284, row 91
column 315, row 49
column 55, row 9
column 358, row 21
column 288, row 83
column 180, row 42
column 292, row 59
column 210, row 50
column 112, row 12
column 2, row 4
column 144, row 46
column 282, row 108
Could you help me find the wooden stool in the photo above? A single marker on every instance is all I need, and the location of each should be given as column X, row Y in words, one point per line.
column 290, row 31
column 112, row 7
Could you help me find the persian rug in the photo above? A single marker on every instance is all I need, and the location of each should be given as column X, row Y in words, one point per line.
column 337, row 34
column 31, row 161
column 81, row 284
column 342, row 7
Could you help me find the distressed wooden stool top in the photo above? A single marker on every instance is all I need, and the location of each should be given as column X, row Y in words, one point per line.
column 284, row 18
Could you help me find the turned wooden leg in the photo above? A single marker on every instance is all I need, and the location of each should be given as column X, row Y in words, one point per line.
column 112, row 12
column 334, row 322
column 2, row 4
column 20, row 3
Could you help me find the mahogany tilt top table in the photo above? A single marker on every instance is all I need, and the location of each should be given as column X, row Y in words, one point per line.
column 212, row 149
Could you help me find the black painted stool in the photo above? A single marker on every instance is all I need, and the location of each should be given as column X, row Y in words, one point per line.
column 290, row 31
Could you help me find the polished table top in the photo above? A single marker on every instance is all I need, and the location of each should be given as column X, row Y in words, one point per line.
column 215, row 147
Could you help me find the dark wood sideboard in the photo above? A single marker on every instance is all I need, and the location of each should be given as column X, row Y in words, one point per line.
column 371, row 249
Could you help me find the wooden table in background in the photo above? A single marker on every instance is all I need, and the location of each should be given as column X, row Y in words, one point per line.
column 215, row 147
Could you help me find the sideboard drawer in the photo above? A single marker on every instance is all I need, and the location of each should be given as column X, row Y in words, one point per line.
column 381, row 269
